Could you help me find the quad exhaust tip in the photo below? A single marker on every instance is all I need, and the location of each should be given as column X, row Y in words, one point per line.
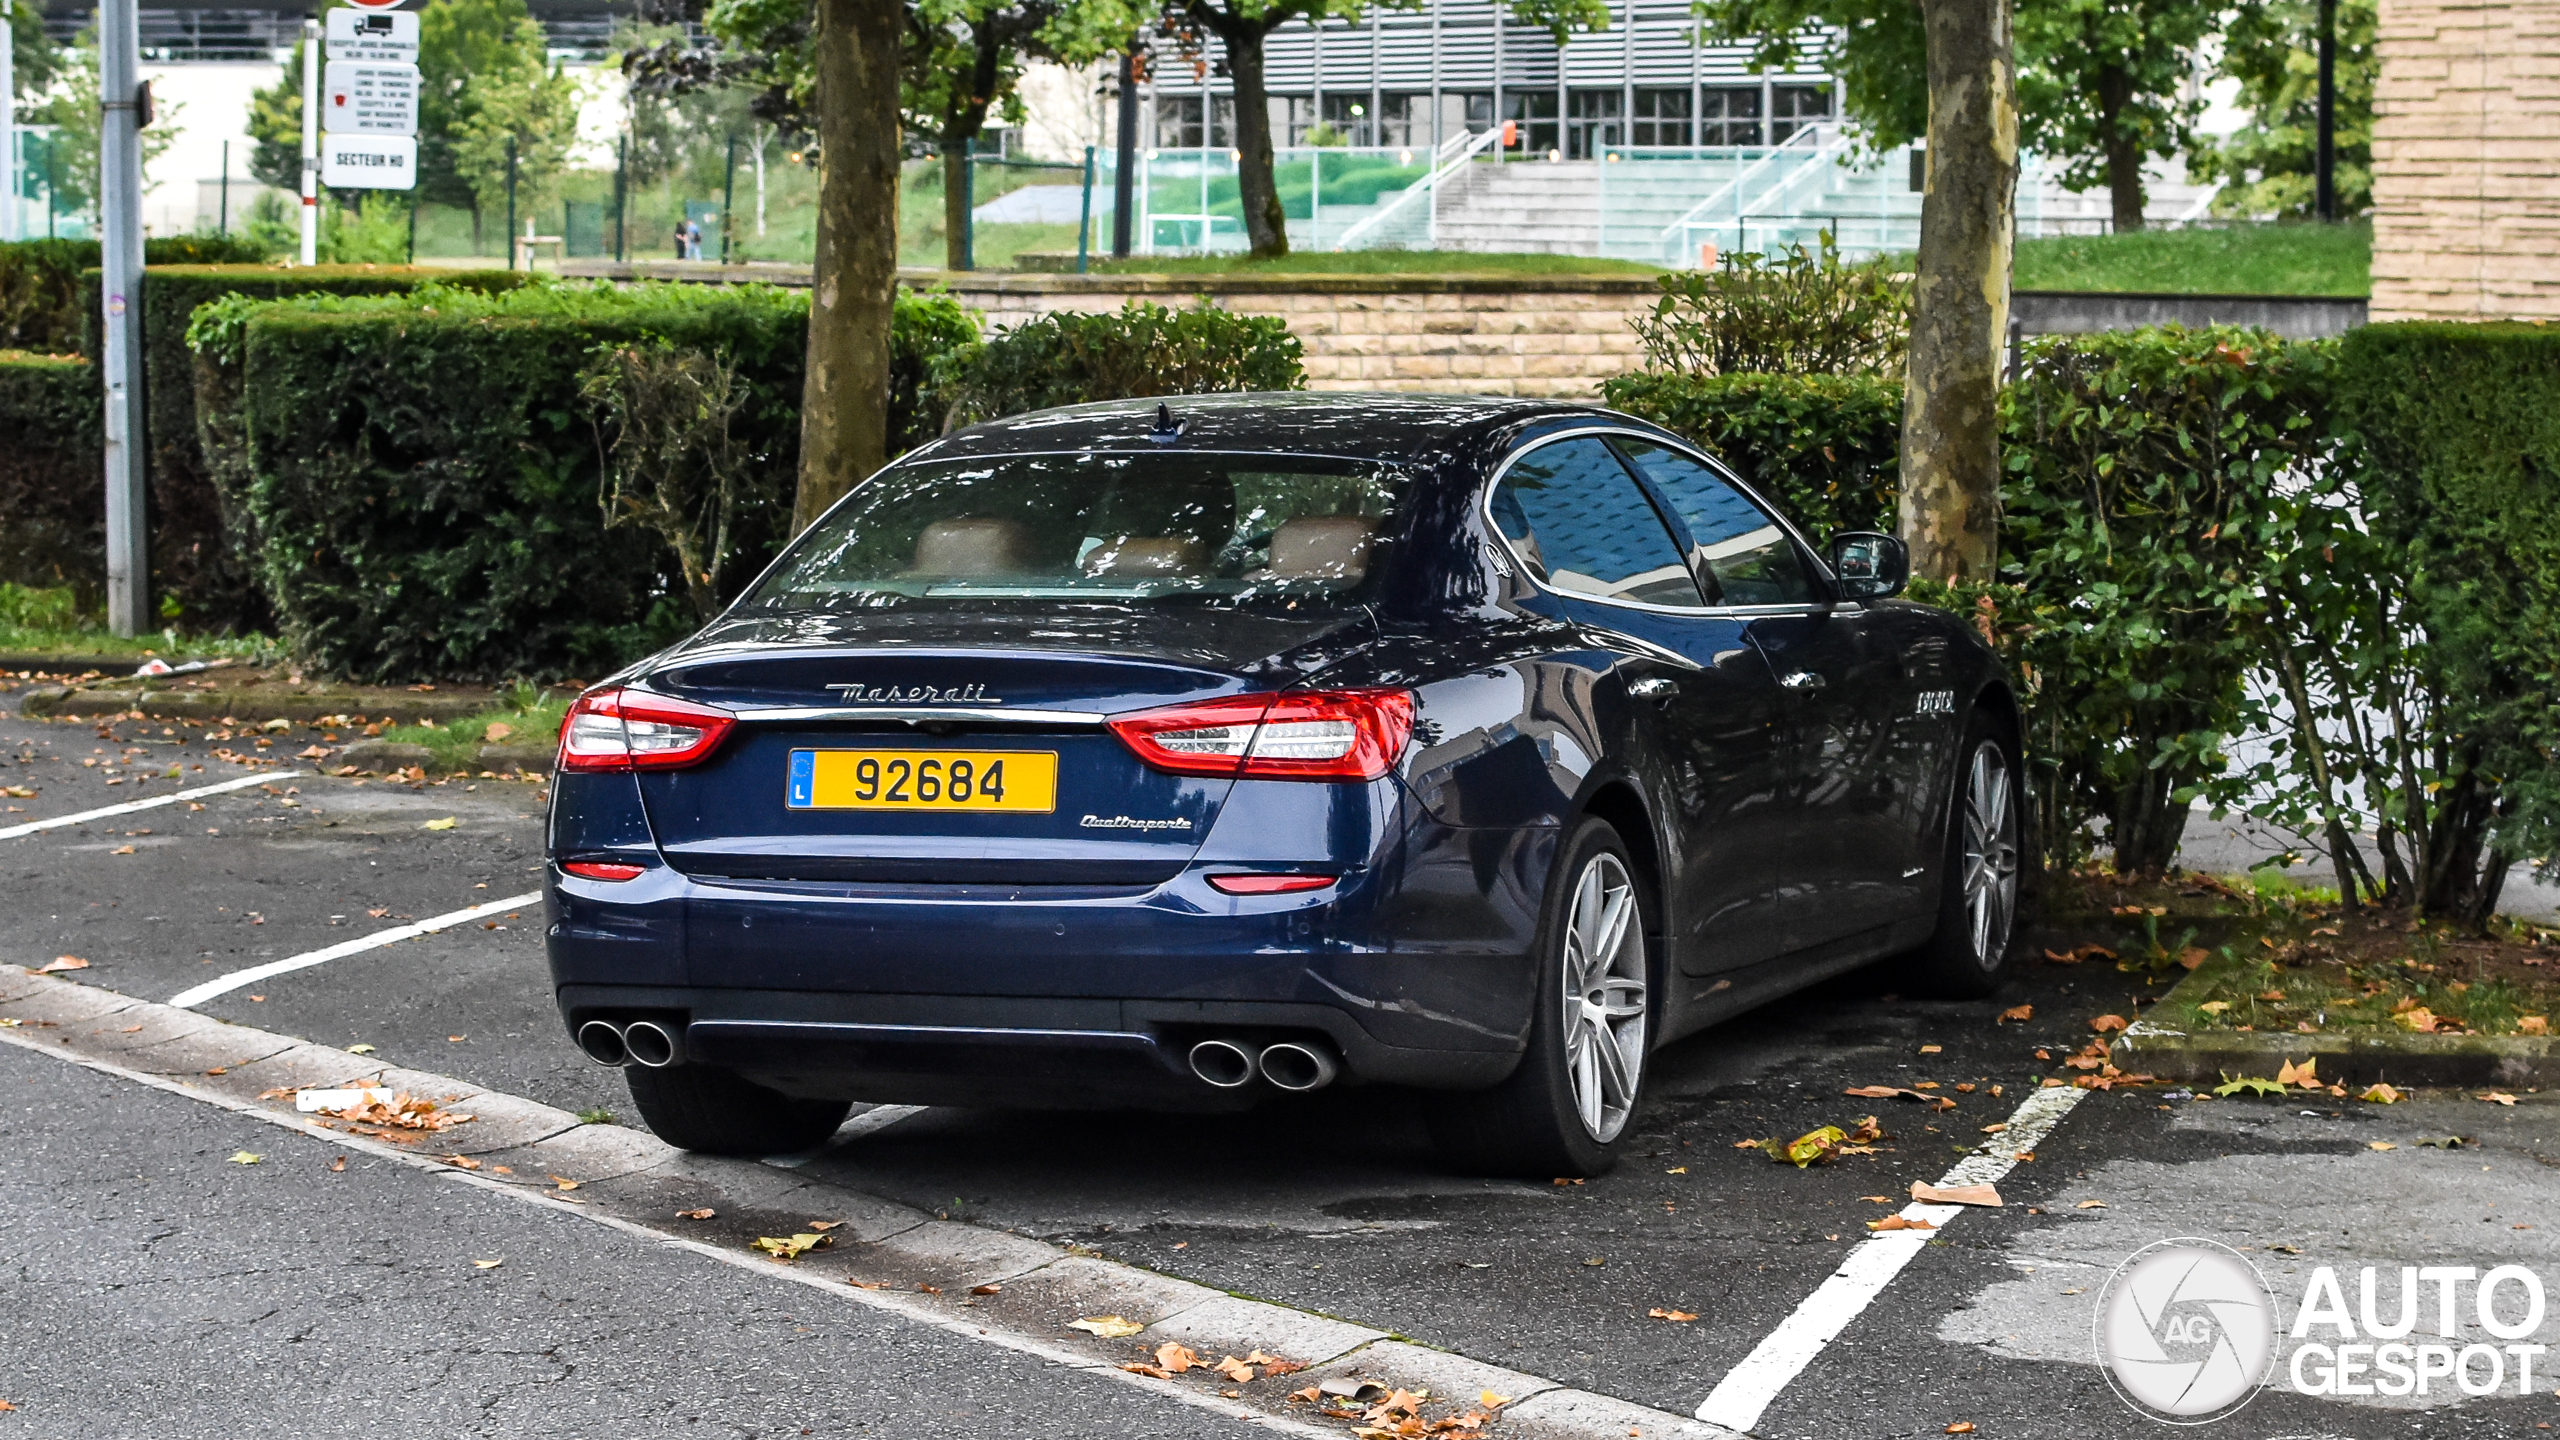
column 642, row 1042
column 1226, row 1064
column 1298, row 1068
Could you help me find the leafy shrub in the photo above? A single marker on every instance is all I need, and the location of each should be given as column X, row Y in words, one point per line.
column 1066, row 358
column 674, row 461
column 52, row 469
column 1824, row 448
column 422, row 482
column 40, row 292
column 1799, row 313
column 2458, row 428
column 925, row 328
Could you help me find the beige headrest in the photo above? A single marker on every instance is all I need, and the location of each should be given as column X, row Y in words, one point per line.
column 974, row 547
column 1148, row 555
column 1322, row 547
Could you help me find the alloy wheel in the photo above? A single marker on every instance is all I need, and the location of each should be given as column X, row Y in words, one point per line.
column 1990, row 854
column 1604, row 997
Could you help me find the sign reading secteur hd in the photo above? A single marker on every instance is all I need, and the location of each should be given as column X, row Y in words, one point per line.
column 369, row 101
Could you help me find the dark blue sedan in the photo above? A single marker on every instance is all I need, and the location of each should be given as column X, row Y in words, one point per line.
column 1171, row 755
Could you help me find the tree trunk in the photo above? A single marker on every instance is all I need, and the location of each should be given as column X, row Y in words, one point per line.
column 2123, row 150
column 844, row 418
column 955, row 201
column 1960, row 315
column 1266, row 224
column 2144, row 824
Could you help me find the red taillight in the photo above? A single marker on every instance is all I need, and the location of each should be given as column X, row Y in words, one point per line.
column 602, row 870
column 1294, row 735
column 635, row 730
column 1267, row 884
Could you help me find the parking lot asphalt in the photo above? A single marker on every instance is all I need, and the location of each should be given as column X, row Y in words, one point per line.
column 1332, row 1202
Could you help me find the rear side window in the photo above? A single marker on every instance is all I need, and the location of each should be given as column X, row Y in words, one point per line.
column 1739, row 545
column 1194, row 528
column 1580, row 522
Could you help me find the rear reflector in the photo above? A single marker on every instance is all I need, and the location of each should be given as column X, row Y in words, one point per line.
column 1294, row 735
column 602, row 870
column 635, row 730
column 1268, row 884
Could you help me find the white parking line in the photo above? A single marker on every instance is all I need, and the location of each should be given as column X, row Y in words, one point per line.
column 224, row 984
column 243, row 783
column 1748, row 1388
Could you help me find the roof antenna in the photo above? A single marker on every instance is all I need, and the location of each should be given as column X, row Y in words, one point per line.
column 1167, row 428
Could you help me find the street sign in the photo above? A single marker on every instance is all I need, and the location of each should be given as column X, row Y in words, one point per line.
column 369, row 162
column 377, row 35
column 361, row 97
column 373, row 4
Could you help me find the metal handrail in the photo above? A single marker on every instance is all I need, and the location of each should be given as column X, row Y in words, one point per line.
column 1815, row 147
column 1452, row 154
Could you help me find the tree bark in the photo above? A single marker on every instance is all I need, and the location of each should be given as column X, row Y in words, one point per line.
column 844, row 418
column 2123, row 151
column 1950, row 513
column 955, row 200
column 1266, row 224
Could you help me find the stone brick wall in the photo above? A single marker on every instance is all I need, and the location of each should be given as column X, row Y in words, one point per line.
column 2466, row 172
column 1527, row 335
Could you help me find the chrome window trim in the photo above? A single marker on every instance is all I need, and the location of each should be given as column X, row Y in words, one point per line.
column 1528, row 572
column 920, row 714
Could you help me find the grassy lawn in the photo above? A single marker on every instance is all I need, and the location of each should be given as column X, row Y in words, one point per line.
column 1378, row 262
column 47, row 622
column 2292, row 259
column 525, row 714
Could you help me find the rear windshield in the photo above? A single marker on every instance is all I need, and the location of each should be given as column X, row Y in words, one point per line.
column 1284, row 530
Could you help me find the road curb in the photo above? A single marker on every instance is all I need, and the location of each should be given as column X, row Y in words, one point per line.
column 53, row 702
column 2157, row 1046
column 898, row 1258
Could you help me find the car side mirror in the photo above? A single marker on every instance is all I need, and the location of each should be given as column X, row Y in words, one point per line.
column 1871, row 566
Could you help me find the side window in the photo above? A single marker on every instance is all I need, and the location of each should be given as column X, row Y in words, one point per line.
column 1579, row 519
column 1739, row 545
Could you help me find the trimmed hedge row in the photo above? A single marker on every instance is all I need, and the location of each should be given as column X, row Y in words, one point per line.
column 55, row 531
column 42, row 304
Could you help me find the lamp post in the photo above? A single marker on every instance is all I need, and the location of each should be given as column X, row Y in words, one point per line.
column 121, row 99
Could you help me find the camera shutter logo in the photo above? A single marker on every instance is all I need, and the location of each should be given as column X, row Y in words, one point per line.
column 2186, row 1331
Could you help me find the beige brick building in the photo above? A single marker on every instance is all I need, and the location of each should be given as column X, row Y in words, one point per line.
column 2466, row 160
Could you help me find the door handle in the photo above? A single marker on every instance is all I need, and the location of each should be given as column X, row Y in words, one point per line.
column 1653, row 687
column 1803, row 680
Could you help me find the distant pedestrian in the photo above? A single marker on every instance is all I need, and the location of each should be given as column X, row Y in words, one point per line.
column 688, row 240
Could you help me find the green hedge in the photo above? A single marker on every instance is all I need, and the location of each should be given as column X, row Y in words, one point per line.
column 1070, row 358
column 2459, row 429
column 52, row 476
column 1827, row 448
column 42, row 303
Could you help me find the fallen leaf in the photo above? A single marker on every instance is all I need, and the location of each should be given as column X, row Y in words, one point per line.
column 2191, row 957
column 1491, row 1401
column 1749, row 1144
column 1677, row 1170
column 446, row 823
column 243, row 1157
column 2214, row 1007
column 62, row 962
column 1961, row 1427
column 868, row 1284
column 1150, row 1371
column 822, row 1226
column 1897, row 1092
column 790, row 1247
column 565, row 1183
column 2497, row 1097
column 497, row 731
column 1931, row 1049
column 460, row 1162
column 921, row 1287
column 487, row 1264
column 338, row 1166
column 1109, row 1327
column 2253, row 1084
column 1808, row 1148
column 1176, row 1357
column 2291, row 1074
column 1311, row 1395
column 1272, row 1365
column 2382, row 1094
column 1983, row 1195
column 121, row 850
column 1878, row 1199
column 2015, row 1012
column 2380, row 1145
column 986, row 1289
column 2092, row 1205
column 2418, row 1020
column 1234, row 1369
column 1896, row 1222
column 2104, row 1023
column 1676, row 1317
column 1866, row 1132
column 1995, row 1127
column 359, row 1049
column 2533, row 1024
column 705, row 1213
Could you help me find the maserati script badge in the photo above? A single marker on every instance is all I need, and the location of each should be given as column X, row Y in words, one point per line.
column 915, row 695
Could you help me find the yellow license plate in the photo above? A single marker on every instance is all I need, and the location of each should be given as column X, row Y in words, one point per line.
column 1014, row 781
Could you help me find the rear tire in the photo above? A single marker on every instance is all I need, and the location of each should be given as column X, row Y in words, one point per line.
column 1968, row 957
column 720, row 1112
column 1564, row 1110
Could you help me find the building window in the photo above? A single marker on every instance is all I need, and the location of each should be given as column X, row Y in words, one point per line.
column 1404, row 120
column 1729, row 117
column 1178, row 122
column 1292, row 116
column 1594, row 120
column 1794, row 107
column 1470, row 110
column 1350, row 120
column 1535, row 111
column 1662, row 118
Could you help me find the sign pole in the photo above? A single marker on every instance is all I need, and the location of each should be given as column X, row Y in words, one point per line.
column 120, row 285
column 310, row 142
